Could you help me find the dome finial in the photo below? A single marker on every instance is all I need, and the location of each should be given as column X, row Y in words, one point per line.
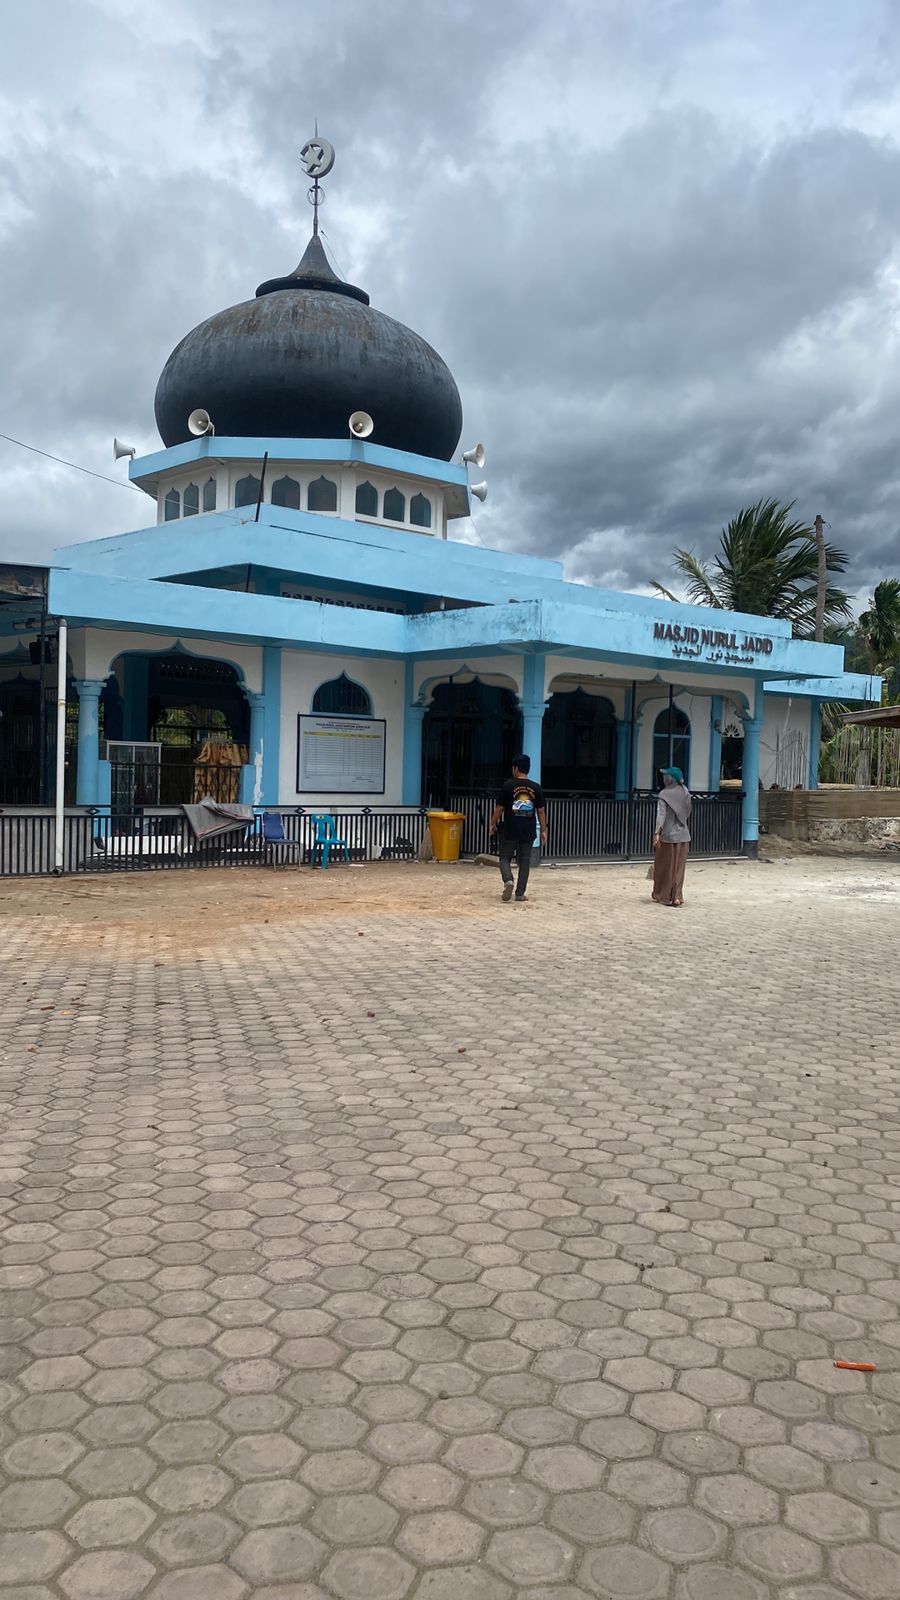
column 317, row 158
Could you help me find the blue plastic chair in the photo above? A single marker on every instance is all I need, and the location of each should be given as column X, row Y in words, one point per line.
column 278, row 847
column 326, row 839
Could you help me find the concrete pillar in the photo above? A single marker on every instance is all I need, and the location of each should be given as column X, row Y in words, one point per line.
column 413, row 718
column 624, row 778
column 716, row 716
column 533, row 707
column 252, row 776
column 271, row 727
column 815, row 741
column 87, row 787
column 750, row 781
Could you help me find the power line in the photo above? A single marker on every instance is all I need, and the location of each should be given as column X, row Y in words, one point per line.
column 73, row 464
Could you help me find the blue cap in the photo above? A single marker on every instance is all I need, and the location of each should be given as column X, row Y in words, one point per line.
column 673, row 772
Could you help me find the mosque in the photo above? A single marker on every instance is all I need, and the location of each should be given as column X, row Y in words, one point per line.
column 297, row 625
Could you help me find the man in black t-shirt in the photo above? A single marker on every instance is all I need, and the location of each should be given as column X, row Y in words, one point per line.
column 520, row 804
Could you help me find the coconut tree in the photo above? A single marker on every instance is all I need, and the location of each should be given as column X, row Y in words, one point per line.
column 767, row 564
column 879, row 627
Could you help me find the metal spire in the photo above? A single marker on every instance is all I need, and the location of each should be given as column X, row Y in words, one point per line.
column 317, row 159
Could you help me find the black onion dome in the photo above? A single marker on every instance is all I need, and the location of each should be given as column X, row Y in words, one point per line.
column 296, row 361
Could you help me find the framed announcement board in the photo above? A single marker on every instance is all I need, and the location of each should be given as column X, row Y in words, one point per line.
column 340, row 755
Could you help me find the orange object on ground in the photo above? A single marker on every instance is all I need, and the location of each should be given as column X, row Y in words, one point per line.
column 856, row 1366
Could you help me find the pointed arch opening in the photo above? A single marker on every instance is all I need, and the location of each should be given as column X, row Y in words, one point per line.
column 342, row 697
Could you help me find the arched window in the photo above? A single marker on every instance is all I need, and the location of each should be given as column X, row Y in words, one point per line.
column 322, row 495
column 394, row 506
column 172, row 506
column 209, row 495
column 420, row 511
column 191, row 505
column 342, row 697
column 246, row 491
column 680, row 743
column 286, row 492
column 366, row 500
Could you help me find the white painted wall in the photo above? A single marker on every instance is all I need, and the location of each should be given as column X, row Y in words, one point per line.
column 786, row 723
column 95, row 649
column 697, row 708
column 301, row 674
column 227, row 475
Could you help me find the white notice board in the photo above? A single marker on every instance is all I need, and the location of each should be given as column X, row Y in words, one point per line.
column 340, row 755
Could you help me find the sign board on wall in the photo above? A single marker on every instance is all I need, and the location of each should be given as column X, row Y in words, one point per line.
column 340, row 755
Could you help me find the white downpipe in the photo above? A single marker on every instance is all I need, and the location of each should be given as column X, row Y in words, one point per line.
column 59, row 831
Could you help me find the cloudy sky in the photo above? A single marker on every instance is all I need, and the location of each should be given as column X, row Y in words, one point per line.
column 657, row 241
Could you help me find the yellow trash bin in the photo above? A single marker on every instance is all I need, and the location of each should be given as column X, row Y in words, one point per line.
column 445, row 828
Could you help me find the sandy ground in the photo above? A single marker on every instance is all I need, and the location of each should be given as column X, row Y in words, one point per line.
column 186, row 907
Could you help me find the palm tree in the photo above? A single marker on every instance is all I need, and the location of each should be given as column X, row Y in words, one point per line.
column 766, row 565
column 879, row 627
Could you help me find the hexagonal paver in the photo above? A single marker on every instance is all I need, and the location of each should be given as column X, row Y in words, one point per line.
column 214, row 1582
column 624, row 1570
column 827, row 1518
column 270, row 1555
column 431, row 1537
column 35, row 1503
column 591, row 1517
column 374, row 1573
column 421, row 1487
column 639, row 1374
column 325, row 1294
column 869, row 1571
column 121, row 1520
column 28, row 1557
column 116, row 1470
column 682, row 1535
column 107, row 1575
column 736, row 1499
column 530, row 1555
column 505, row 1502
column 778, row 1554
column 259, row 1505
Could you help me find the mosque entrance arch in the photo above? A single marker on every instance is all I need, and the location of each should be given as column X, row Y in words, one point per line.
column 579, row 743
column 195, row 709
column 471, row 733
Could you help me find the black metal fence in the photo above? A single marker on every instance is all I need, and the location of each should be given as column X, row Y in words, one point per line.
column 580, row 827
column 585, row 827
column 99, row 840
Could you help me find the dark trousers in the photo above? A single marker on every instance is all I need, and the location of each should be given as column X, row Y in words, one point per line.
column 521, row 849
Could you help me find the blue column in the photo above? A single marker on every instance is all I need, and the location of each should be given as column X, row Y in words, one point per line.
column 815, row 741
column 413, row 718
column 716, row 714
column 533, row 708
column 270, row 713
column 252, row 776
column 87, row 787
column 623, row 742
column 750, row 780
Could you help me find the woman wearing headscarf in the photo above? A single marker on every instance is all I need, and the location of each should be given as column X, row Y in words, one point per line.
column 671, row 838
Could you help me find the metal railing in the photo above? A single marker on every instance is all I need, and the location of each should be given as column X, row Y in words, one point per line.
column 581, row 827
column 586, row 827
column 155, row 838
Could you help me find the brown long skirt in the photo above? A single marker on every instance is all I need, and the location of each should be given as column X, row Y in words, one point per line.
column 668, row 873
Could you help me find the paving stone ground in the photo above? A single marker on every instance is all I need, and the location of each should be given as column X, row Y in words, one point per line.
column 364, row 1238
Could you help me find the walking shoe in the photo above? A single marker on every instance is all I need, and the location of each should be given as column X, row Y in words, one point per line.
column 507, row 891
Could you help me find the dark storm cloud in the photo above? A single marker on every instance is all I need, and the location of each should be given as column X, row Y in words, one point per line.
column 661, row 265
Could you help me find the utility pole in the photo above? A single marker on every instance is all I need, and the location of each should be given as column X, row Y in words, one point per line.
column 822, row 584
